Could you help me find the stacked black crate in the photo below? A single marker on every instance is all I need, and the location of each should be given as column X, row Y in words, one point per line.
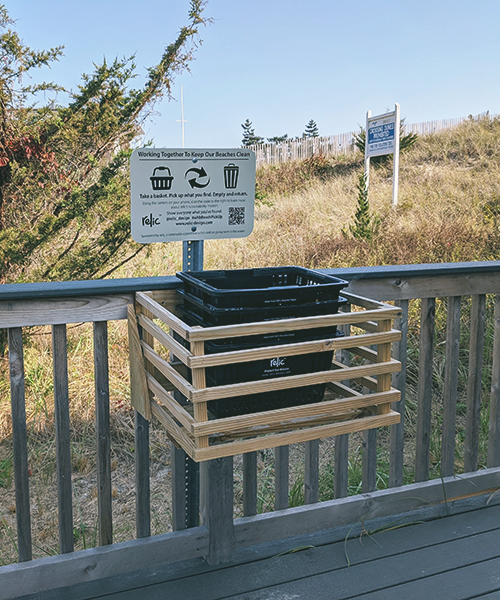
column 214, row 298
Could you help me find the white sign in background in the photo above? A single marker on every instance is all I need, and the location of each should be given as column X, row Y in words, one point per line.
column 182, row 194
column 380, row 135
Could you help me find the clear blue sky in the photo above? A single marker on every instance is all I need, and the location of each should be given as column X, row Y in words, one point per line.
column 281, row 63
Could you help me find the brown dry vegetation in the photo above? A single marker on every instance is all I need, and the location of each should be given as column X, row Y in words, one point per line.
column 449, row 210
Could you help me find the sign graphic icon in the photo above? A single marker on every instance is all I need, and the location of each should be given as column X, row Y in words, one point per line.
column 200, row 174
column 231, row 172
column 161, row 182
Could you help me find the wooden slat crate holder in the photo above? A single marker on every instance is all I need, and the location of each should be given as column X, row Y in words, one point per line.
column 346, row 407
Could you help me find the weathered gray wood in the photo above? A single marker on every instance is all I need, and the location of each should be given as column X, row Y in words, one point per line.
column 249, row 484
column 450, row 391
column 57, row 311
column 494, row 429
column 311, row 472
column 341, row 466
column 369, row 466
column 474, row 383
column 399, row 382
column 361, row 508
column 18, row 404
column 216, row 482
column 94, row 564
column 63, row 445
column 424, row 392
column 281, row 477
column 417, row 286
column 101, row 371
column 142, row 487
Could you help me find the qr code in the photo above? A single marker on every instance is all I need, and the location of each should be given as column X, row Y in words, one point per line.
column 236, row 215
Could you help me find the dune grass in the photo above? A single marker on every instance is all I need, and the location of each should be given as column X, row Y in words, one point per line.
column 449, row 210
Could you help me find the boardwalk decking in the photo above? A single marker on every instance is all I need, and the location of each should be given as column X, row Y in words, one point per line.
column 452, row 558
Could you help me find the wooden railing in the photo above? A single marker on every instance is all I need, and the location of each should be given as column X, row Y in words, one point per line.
column 208, row 491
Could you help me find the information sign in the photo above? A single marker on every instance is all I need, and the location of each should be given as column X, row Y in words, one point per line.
column 191, row 194
column 381, row 134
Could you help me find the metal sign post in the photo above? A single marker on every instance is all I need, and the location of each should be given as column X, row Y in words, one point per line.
column 382, row 137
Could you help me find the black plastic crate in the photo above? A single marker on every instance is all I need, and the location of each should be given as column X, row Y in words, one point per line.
column 261, row 287
column 215, row 316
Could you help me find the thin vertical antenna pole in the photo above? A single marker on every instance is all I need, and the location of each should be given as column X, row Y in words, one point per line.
column 182, row 120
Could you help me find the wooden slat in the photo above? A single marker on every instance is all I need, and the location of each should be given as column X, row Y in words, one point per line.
column 396, row 460
column 163, row 314
column 304, row 435
column 199, row 382
column 167, row 370
column 63, row 446
column 138, row 385
column 250, row 484
column 58, row 311
column 173, row 407
column 264, row 327
column 175, row 432
column 164, row 338
column 450, row 392
column 142, row 486
column 494, row 429
column 243, row 389
column 424, row 392
column 311, row 472
column 242, row 356
column 474, row 384
column 281, row 477
column 18, row 403
column 216, row 482
column 101, row 373
column 338, row 406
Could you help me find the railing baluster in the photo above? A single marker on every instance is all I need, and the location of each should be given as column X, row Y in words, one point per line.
column 494, row 432
column 311, row 474
column 341, row 466
column 250, row 484
column 369, row 461
column 216, row 481
column 142, row 487
column 424, row 391
column 104, row 497
column 474, row 384
column 19, row 433
column 450, row 392
column 341, row 457
column 63, row 446
column 281, row 477
column 399, row 382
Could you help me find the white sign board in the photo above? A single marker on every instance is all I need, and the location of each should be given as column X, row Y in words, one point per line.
column 191, row 193
column 380, row 134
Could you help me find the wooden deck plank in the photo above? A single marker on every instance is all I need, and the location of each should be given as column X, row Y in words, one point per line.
column 394, row 559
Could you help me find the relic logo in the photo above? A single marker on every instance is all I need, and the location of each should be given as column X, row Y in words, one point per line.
column 277, row 362
column 150, row 220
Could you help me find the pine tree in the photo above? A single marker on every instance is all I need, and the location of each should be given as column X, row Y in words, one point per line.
column 311, row 130
column 64, row 170
column 249, row 137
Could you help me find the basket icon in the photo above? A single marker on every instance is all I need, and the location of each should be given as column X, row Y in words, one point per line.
column 161, row 182
column 231, row 172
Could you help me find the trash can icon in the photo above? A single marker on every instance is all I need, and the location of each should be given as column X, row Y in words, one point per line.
column 161, row 182
column 231, row 172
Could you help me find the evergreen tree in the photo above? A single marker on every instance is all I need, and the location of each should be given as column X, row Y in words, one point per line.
column 311, row 130
column 249, row 137
column 64, row 170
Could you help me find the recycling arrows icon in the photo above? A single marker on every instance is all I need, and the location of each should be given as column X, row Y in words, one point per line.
column 199, row 174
